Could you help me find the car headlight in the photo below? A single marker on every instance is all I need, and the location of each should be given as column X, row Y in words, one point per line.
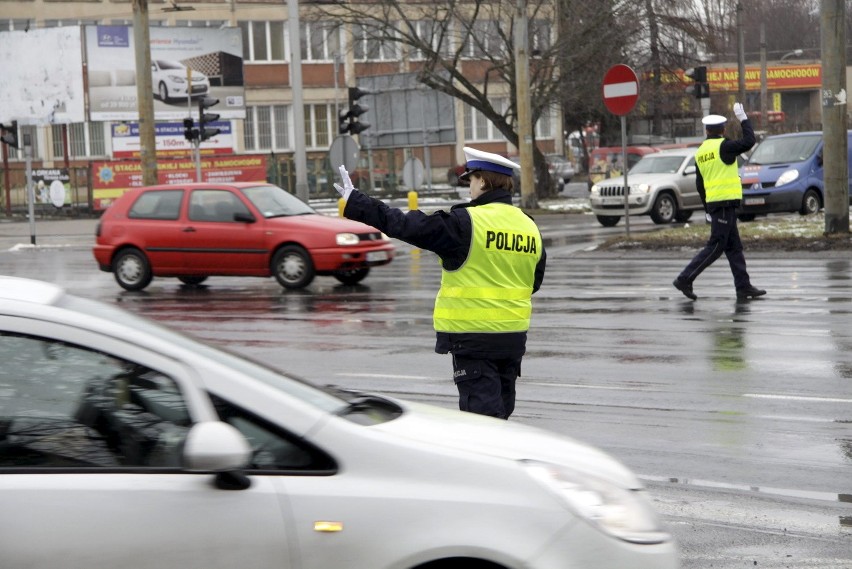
column 625, row 514
column 640, row 189
column 596, row 189
column 177, row 79
column 787, row 177
column 345, row 239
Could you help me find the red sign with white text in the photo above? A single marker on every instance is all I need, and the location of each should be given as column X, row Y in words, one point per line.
column 111, row 179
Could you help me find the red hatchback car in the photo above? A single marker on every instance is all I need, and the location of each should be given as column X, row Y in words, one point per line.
column 194, row 231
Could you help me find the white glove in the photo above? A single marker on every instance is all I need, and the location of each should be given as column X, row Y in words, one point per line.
column 347, row 183
column 708, row 218
column 739, row 112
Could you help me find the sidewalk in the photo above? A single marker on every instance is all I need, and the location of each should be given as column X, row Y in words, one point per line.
column 17, row 233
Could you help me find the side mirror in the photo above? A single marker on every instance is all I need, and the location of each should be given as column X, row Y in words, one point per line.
column 689, row 170
column 214, row 446
column 244, row 217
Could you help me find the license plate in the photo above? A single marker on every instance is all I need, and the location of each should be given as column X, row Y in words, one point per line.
column 612, row 201
column 375, row 256
column 754, row 201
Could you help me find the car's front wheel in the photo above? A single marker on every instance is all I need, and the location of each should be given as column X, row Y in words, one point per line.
column 164, row 92
column 131, row 270
column 683, row 215
column 664, row 209
column 352, row 276
column 293, row 267
column 608, row 220
column 746, row 217
column 811, row 203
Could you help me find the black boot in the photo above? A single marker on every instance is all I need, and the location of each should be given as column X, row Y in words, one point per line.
column 685, row 288
column 749, row 291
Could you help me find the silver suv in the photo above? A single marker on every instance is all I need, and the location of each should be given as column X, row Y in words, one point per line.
column 662, row 185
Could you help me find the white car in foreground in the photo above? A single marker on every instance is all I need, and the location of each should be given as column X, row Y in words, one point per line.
column 125, row 444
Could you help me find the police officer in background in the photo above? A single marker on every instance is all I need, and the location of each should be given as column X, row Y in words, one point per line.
column 492, row 260
column 718, row 182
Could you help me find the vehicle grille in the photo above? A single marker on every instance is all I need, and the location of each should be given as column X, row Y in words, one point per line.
column 762, row 186
column 608, row 191
column 199, row 89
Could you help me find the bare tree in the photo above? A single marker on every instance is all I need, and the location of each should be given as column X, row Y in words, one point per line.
column 466, row 50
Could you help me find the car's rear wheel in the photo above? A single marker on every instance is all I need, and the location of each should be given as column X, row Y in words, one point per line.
column 683, row 215
column 746, row 217
column 293, row 267
column 664, row 209
column 352, row 276
column 608, row 220
column 131, row 269
column 811, row 203
column 192, row 279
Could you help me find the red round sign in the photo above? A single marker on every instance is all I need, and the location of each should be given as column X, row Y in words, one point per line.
column 620, row 89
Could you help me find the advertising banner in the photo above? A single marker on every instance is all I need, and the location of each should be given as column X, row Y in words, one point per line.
column 170, row 141
column 186, row 65
column 42, row 73
column 111, row 179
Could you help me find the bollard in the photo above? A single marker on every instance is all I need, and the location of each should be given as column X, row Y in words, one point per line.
column 412, row 200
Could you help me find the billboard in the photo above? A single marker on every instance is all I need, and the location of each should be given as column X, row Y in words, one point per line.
column 111, row 179
column 42, row 73
column 169, row 140
column 186, row 65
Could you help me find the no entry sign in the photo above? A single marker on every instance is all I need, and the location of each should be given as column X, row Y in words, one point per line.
column 620, row 89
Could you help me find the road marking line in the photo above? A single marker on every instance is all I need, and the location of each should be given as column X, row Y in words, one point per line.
column 798, row 398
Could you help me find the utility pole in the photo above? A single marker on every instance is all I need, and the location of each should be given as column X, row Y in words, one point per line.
column 835, row 172
column 144, row 93
column 522, row 94
column 298, row 103
column 764, row 121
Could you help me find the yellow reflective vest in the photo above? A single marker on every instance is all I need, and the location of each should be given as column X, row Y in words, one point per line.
column 721, row 181
column 492, row 290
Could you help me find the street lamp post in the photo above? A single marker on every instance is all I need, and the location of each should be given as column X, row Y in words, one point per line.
column 794, row 53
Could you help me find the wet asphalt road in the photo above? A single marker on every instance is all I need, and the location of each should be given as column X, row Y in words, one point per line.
column 738, row 416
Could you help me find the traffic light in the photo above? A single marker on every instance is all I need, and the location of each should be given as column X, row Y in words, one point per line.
column 701, row 88
column 205, row 119
column 349, row 123
column 9, row 134
column 189, row 133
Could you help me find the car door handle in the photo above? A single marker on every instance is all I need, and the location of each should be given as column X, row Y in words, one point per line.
column 188, row 229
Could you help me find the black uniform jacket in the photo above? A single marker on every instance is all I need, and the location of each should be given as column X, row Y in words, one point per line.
column 728, row 152
column 449, row 235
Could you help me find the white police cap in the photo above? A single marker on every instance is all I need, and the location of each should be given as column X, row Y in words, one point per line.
column 478, row 160
column 714, row 120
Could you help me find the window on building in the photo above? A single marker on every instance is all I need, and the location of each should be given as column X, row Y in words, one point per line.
column 479, row 128
column 318, row 125
column 263, row 41
column 544, row 125
column 12, row 25
column 369, row 46
column 266, row 128
column 200, row 23
column 320, row 41
column 483, row 39
column 69, row 22
column 539, row 36
column 84, row 140
column 433, row 35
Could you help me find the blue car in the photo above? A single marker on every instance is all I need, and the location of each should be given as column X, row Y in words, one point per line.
column 784, row 174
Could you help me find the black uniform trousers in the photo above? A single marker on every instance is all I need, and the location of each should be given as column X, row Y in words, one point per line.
column 486, row 386
column 724, row 238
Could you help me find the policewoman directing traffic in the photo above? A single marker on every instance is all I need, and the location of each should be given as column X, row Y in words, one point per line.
column 492, row 260
column 718, row 183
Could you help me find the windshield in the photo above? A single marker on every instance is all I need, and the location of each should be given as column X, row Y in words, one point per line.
column 658, row 165
column 273, row 201
column 170, row 65
column 784, row 150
